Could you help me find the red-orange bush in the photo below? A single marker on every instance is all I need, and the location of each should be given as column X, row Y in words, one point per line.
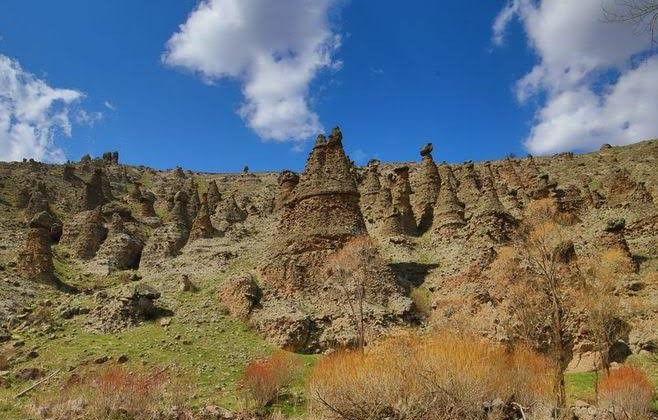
column 443, row 376
column 114, row 392
column 627, row 392
column 264, row 379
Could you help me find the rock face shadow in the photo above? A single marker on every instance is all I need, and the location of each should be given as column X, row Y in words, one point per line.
column 411, row 273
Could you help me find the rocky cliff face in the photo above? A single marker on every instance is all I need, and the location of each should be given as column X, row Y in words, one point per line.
column 266, row 239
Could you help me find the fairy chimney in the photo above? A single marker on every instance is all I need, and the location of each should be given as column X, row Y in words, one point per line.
column 401, row 192
column 202, row 226
column 35, row 259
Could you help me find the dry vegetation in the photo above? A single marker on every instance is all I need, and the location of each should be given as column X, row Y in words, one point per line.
column 264, row 379
column 442, row 376
column 627, row 393
column 116, row 393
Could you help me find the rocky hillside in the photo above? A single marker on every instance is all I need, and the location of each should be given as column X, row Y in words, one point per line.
column 101, row 259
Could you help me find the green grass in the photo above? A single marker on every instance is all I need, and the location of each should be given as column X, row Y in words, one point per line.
column 581, row 386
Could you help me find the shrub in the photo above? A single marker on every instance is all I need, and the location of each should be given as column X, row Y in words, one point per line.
column 626, row 392
column 443, row 376
column 264, row 379
column 422, row 299
column 114, row 392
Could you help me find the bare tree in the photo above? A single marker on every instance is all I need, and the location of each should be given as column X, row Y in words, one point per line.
column 546, row 283
column 641, row 13
column 350, row 268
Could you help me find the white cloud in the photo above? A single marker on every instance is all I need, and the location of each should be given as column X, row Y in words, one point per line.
column 595, row 80
column 109, row 105
column 32, row 114
column 274, row 48
column 83, row 117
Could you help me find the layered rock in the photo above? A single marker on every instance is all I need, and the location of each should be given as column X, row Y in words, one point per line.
column 369, row 189
column 202, row 226
column 390, row 222
column 401, row 192
column 469, row 188
column 428, row 188
column 490, row 216
column 448, row 211
column 35, row 259
column 300, row 308
column 121, row 250
column 85, row 233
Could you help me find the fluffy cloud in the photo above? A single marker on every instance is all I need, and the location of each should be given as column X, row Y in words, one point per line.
column 274, row 48
column 595, row 81
column 32, row 114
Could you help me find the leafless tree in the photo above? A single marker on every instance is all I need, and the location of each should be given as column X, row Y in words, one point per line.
column 349, row 267
column 641, row 13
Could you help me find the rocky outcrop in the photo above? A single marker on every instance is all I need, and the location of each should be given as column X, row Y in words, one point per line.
column 240, row 295
column 214, row 196
column 147, row 205
column 287, row 180
column 612, row 238
column 125, row 308
column 428, row 188
column 300, row 307
column 401, row 192
column 202, row 226
column 35, row 259
column 121, row 250
column 96, row 191
column 390, row 221
column 85, row 233
column 229, row 211
column 166, row 241
column 490, row 216
column 469, row 189
column 448, row 215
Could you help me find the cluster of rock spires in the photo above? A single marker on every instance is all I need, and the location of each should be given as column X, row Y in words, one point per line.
column 292, row 300
column 297, row 306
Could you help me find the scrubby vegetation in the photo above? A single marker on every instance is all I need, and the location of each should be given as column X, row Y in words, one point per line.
column 441, row 376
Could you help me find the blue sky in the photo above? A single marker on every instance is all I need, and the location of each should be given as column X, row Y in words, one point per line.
column 479, row 79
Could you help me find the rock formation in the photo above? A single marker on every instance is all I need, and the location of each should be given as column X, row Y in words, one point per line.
column 469, row 188
column 370, row 190
column 401, row 192
column 428, row 188
column 121, row 250
column 612, row 238
column 85, row 233
column 390, row 221
column 146, row 204
column 287, row 180
column 167, row 241
column 214, row 196
column 202, row 226
column 35, row 259
column 95, row 191
column 448, row 211
column 320, row 217
column 229, row 211
column 490, row 216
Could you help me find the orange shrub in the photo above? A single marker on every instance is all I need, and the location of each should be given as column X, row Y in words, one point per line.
column 626, row 392
column 114, row 392
column 443, row 376
column 264, row 379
